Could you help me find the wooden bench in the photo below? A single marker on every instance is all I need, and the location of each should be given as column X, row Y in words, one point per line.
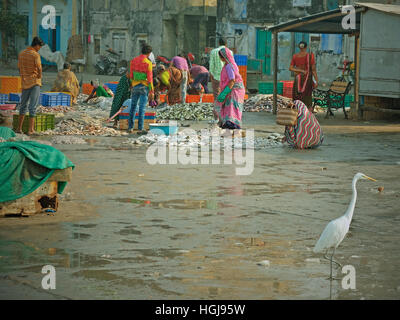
column 334, row 98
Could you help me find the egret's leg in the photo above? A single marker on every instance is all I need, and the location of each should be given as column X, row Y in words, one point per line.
column 326, row 254
column 331, row 259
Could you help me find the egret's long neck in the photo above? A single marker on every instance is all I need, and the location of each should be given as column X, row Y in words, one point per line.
column 350, row 209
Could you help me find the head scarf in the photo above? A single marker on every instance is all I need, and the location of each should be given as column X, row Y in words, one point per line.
column 226, row 53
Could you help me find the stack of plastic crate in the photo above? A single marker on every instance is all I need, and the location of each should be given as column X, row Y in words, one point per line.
column 241, row 61
column 149, row 117
column 52, row 99
column 3, row 98
column 14, row 97
column 268, row 87
column 288, row 88
column 10, row 84
column 43, row 122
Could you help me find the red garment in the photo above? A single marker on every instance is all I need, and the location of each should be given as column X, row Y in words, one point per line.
column 143, row 65
column 301, row 62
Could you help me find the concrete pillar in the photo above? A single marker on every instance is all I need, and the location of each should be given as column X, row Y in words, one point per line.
column 33, row 19
column 74, row 17
column 202, row 37
column 180, row 39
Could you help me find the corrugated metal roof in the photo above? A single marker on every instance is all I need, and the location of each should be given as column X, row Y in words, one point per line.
column 323, row 22
column 389, row 8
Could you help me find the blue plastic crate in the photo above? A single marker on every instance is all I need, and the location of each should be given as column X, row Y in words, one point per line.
column 14, row 97
column 241, row 60
column 3, row 98
column 112, row 86
column 52, row 99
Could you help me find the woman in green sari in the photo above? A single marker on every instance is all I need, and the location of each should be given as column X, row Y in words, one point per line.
column 122, row 93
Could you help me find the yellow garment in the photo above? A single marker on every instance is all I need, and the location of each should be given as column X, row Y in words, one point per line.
column 67, row 82
column 164, row 77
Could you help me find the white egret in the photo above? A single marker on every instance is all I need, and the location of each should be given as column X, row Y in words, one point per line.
column 337, row 229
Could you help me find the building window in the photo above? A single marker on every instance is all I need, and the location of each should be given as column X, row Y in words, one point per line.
column 97, row 45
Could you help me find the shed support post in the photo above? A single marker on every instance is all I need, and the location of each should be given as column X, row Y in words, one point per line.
column 357, row 76
column 275, row 105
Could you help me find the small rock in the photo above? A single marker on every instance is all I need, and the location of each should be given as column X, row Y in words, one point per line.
column 183, row 251
column 313, row 260
column 264, row 263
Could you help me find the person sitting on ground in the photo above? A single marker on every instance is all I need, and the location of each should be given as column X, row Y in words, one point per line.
column 67, row 82
column 99, row 91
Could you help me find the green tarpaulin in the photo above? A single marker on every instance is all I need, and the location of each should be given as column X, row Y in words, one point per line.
column 26, row 165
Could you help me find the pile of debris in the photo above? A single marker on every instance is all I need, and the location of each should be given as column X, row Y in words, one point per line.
column 188, row 111
column 263, row 102
column 214, row 140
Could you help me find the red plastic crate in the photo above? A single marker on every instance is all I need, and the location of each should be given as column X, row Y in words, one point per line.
column 208, row 98
column 192, row 98
column 287, row 84
column 288, row 92
column 87, row 88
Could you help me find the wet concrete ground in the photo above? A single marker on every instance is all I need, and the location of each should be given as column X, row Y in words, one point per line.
column 198, row 231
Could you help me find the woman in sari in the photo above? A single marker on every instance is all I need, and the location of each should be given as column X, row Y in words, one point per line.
column 303, row 65
column 229, row 104
column 122, row 93
column 67, row 82
column 307, row 133
column 170, row 80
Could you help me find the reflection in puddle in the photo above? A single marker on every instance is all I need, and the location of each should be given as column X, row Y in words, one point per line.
column 178, row 203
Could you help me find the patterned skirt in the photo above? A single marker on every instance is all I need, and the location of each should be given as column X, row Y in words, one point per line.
column 230, row 111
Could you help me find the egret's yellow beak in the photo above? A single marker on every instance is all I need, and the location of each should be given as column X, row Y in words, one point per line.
column 369, row 178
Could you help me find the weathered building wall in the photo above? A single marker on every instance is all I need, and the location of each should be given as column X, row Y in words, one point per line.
column 67, row 18
column 169, row 26
column 241, row 20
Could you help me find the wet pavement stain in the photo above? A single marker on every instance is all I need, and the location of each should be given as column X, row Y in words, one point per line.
column 197, row 233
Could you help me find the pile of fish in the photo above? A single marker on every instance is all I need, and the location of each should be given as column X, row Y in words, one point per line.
column 56, row 109
column 263, row 102
column 188, row 111
column 213, row 139
column 85, row 126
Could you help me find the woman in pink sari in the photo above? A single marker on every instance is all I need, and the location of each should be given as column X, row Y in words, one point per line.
column 229, row 104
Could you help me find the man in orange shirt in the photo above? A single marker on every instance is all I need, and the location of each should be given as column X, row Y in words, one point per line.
column 30, row 69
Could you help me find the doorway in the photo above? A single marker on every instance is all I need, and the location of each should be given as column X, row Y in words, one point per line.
column 52, row 38
column 263, row 47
